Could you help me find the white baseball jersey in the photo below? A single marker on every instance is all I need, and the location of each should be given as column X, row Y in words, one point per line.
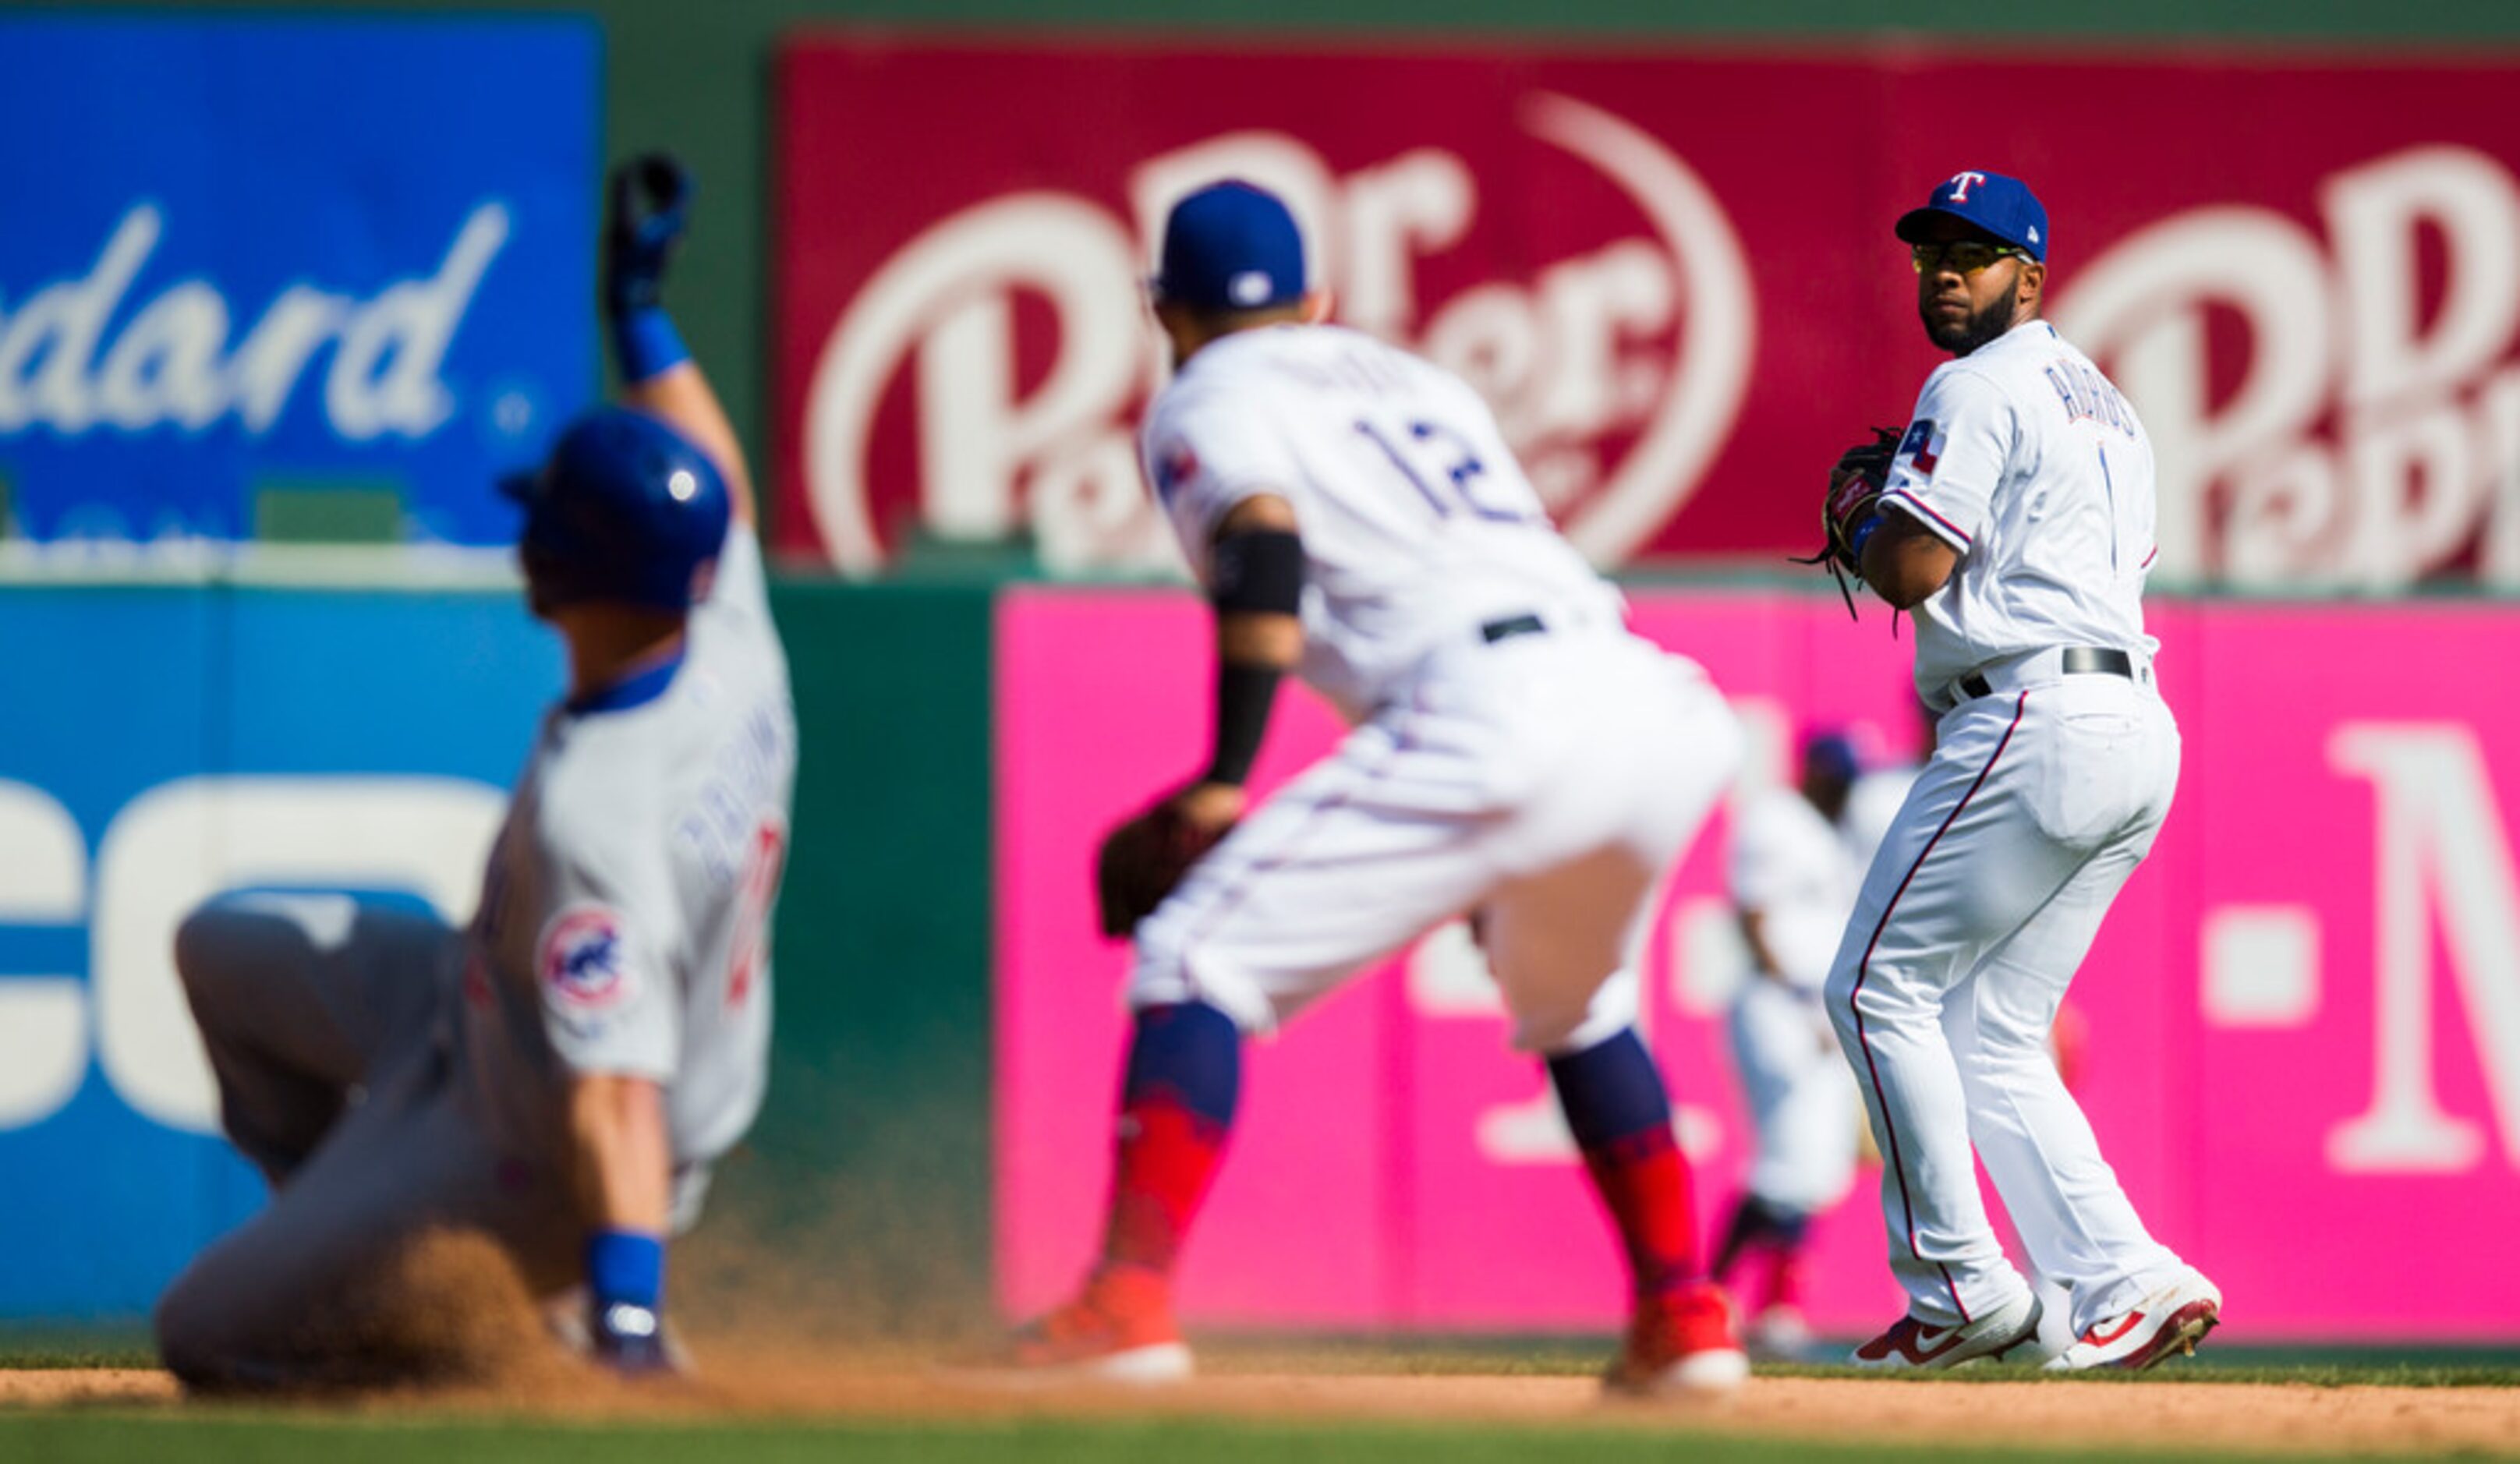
column 1544, row 773
column 2026, row 460
column 624, row 920
column 1418, row 526
column 1790, row 868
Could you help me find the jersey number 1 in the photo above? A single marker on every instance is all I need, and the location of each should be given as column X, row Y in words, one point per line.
column 1456, row 465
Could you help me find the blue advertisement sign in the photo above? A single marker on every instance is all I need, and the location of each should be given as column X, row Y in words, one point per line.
column 257, row 261
column 172, row 743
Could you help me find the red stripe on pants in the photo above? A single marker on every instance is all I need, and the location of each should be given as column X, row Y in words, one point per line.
column 1863, row 969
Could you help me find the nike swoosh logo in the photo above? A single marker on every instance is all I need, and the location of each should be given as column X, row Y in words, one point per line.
column 1907, row 1347
column 2094, row 1338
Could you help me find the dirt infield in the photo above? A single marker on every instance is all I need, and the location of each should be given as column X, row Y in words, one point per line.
column 61, row 1387
column 2253, row 1417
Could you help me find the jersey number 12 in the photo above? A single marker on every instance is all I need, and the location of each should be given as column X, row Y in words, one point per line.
column 1442, row 465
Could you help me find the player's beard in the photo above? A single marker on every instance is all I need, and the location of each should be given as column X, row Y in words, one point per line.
column 1986, row 325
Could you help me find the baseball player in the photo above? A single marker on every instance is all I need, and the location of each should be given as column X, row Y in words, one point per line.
column 561, row 1075
column 1356, row 517
column 1878, row 792
column 2015, row 520
column 1792, row 881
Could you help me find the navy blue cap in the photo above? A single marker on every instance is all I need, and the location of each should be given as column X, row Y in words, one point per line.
column 1991, row 202
column 1231, row 246
column 1832, row 754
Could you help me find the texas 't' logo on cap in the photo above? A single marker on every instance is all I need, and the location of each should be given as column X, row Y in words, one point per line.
column 2000, row 207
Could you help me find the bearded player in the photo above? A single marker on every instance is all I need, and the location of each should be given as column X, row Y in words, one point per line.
column 1356, row 519
column 561, row 1075
column 2015, row 520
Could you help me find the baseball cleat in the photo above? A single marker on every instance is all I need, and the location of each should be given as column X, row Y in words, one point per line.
column 1681, row 1346
column 1913, row 1344
column 1120, row 1330
column 2173, row 1318
column 1779, row 1334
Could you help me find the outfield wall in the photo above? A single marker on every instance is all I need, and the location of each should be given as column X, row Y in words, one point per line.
column 164, row 743
column 2303, row 1022
column 698, row 78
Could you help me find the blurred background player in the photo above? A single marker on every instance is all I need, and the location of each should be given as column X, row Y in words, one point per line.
column 1880, row 788
column 1792, row 879
column 1355, row 515
column 562, row 1075
column 2015, row 520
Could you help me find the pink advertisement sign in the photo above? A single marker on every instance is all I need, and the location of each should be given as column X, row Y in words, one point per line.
column 2303, row 1018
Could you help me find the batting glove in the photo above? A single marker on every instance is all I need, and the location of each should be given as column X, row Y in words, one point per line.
column 652, row 197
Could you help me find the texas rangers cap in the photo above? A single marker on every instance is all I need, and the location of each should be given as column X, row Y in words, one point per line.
column 1231, row 246
column 2001, row 206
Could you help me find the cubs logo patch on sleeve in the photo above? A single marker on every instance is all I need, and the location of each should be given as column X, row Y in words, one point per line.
column 1922, row 447
column 583, row 959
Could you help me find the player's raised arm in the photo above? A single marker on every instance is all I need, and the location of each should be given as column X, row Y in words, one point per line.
column 648, row 212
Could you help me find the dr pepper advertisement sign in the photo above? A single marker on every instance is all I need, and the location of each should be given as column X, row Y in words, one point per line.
column 1671, row 273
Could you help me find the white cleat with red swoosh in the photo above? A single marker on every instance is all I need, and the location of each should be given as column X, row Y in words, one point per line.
column 1913, row 1343
column 2173, row 1318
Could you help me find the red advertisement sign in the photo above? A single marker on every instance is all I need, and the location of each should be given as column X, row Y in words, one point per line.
column 1671, row 273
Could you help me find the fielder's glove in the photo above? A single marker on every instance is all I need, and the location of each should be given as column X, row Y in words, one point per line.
column 1141, row 859
column 1854, row 496
column 651, row 206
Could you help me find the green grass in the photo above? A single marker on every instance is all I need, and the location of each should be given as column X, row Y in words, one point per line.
column 51, row 1351
column 1563, row 1355
column 73, row 1438
column 2200, row 1371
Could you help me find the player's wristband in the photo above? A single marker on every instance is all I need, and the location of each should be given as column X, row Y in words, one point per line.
column 1244, row 693
column 1862, row 535
column 625, row 1267
column 646, row 344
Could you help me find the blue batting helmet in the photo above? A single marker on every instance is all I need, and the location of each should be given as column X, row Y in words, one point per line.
column 626, row 509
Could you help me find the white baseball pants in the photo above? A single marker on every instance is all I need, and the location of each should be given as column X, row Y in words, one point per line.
column 2040, row 799
column 1801, row 1100
column 1547, row 783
